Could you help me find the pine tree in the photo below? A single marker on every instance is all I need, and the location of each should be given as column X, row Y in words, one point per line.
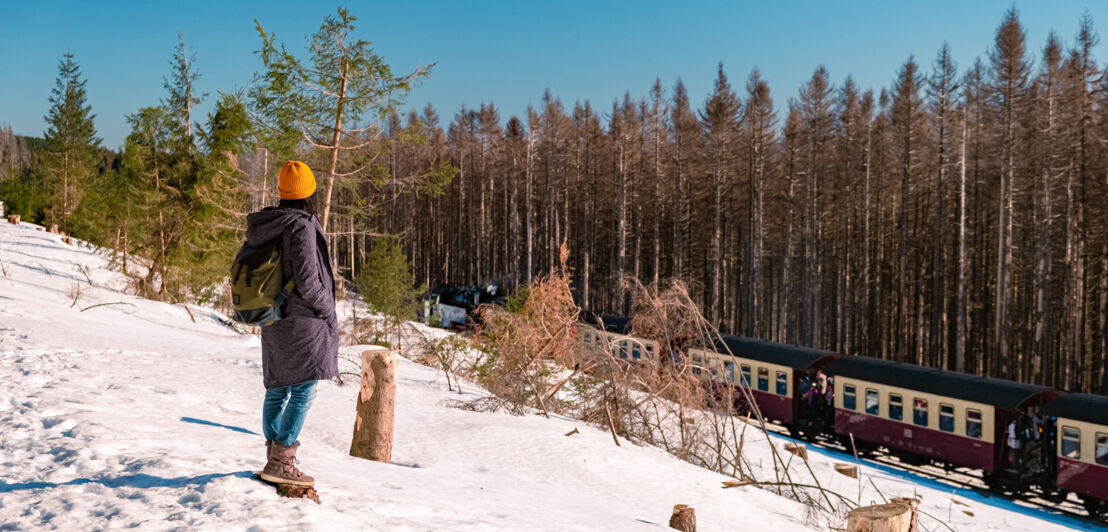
column 343, row 82
column 1010, row 74
column 720, row 120
column 907, row 118
column 183, row 96
column 71, row 141
column 941, row 91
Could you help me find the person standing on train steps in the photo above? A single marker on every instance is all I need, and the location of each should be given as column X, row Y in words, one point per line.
column 1014, row 444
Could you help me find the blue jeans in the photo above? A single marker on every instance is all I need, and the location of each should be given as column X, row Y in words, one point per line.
column 284, row 411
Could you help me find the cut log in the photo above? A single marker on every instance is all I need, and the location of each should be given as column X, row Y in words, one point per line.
column 67, row 240
column 850, row 470
column 913, row 504
column 13, row 219
column 892, row 517
column 683, row 518
column 53, row 228
column 376, row 404
column 797, row 450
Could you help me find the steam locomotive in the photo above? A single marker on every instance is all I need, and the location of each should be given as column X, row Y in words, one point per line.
column 1022, row 437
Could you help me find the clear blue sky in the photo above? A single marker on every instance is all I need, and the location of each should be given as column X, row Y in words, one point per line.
column 507, row 52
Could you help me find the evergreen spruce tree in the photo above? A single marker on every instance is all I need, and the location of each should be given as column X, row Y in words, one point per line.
column 183, row 96
column 387, row 284
column 71, row 141
column 343, row 82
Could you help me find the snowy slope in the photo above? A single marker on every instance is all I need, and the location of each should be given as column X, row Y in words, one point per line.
column 132, row 415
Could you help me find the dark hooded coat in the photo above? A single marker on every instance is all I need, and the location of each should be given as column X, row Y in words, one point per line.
column 303, row 345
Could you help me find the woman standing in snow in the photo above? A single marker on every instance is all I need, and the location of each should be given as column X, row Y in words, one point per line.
column 302, row 347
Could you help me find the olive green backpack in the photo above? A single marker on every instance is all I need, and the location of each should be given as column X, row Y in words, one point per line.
column 258, row 286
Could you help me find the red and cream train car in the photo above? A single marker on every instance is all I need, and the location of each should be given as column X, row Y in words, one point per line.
column 613, row 331
column 1079, row 461
column 772, row 372
column 945, row 416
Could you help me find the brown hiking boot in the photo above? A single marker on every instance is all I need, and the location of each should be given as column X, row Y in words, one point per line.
column 269, row 452
column 281, row 467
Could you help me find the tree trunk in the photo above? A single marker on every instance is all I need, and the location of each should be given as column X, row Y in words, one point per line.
column 683, row 518
column 336, row 143
column 960, row 335
column 893, row 517
column 376, row 404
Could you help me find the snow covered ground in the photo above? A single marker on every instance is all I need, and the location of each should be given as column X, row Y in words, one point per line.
column 129, row 414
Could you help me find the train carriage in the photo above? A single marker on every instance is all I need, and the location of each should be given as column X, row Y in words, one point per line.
column 1078, row 426
column 954, row 418
column 614, row 332
column 773, row 373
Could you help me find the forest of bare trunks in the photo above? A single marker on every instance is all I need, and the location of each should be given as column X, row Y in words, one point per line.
column 954, row 219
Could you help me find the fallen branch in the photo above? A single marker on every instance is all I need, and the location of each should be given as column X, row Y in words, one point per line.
column 193, row 318
column 611, row 424
column 107, row 304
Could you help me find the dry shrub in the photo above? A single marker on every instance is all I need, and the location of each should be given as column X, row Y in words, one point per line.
column 535, row 359
column 526, row 351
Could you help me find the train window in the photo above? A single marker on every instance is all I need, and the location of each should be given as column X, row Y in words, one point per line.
column 850, row 402
column 636, row 351
column 873, row 405
column 763, row 379
column 1102, row 448
column 696, row 362
column 1071, row 443
column 896, row 407
column 946, row 418
column 623, row 349
column 745, row 368
column 713, row 368
column 973, row 423
column 650, row 351
column 730, row 373
column 782, row 383
column 919, row 412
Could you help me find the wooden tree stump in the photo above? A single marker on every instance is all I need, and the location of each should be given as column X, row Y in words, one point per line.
column 13, row 219
column 798, row 450
column 298, row 492
column 290, row 491
column 683, row 518
column 913, row 504
column 849, row 470
column 376, row 404
column 892, row 517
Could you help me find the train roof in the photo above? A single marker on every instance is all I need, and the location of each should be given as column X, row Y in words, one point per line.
column 751, row 348
column 612, row 324
column 764, row 351
column 1080, row 407
column 996, row 392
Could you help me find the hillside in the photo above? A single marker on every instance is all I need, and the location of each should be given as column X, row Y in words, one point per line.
column 130, row 414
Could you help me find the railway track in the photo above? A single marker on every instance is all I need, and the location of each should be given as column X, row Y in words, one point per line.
column 959, row 478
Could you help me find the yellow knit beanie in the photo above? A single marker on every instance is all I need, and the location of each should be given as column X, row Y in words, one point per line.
column 296, row 181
